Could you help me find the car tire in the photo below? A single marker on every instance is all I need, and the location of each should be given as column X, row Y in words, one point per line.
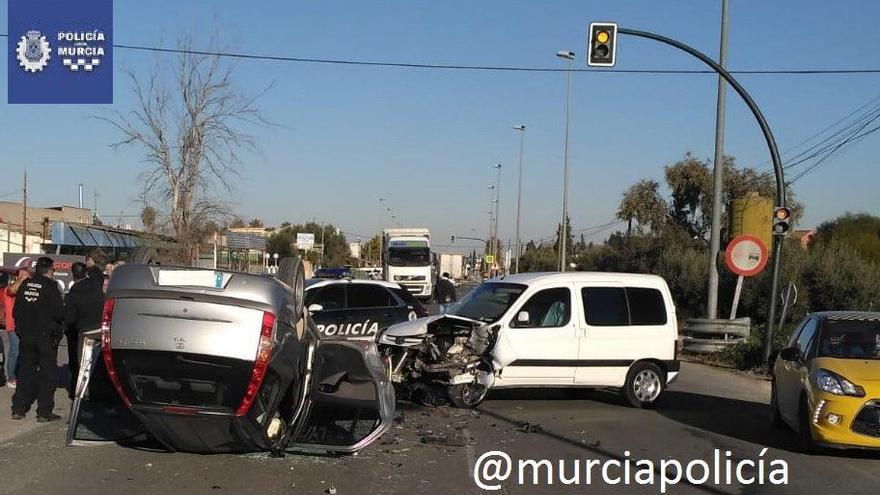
column 645, row 384
column 805, row 431
column 775, row 416
column 291, row 272
column 467, row 395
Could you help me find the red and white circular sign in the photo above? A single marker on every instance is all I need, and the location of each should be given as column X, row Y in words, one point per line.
column 746, row 255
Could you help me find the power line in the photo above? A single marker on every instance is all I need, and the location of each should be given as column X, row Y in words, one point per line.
column 497, row 68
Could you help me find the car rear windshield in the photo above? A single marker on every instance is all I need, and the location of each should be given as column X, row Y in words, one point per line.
column 850, row 339
column 487, row 302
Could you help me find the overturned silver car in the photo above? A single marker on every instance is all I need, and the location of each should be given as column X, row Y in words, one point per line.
column 213, row 361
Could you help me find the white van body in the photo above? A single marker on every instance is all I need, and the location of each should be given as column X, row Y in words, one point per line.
column 585, row 351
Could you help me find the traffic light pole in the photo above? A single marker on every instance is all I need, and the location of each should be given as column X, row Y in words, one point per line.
column 774, row 157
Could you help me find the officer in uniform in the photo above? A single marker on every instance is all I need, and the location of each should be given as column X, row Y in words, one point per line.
column 38, row 313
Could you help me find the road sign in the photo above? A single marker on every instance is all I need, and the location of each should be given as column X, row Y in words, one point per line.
column 490, row 259
column 305, row 241
column 746, row 255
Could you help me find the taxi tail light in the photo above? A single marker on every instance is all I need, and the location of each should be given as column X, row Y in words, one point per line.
column 107, row 351
column 261, row 364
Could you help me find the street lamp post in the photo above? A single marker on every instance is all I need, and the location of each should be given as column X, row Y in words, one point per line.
column 497, row 211
column 522, row 132
column 568, row 55
column 381, row 213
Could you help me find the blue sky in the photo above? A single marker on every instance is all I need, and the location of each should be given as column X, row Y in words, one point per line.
column 425, row 139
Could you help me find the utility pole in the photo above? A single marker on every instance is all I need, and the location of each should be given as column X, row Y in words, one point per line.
column 24, row 215
column 568, row 55
column 517, row 245
column 715, row 239
column 381, row 235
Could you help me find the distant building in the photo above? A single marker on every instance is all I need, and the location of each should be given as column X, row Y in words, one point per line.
column 805, row 237
column 39, row 225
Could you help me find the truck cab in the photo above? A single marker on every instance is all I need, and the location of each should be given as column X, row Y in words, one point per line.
column 407, row 260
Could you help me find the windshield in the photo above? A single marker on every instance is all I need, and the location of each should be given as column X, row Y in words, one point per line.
column 850, row 339
column 488, row 302
column 409, row 256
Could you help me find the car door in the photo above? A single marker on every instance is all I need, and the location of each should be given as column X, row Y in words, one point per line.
column 332, row 316
column 620, row 325
column 541, row 336
column 97, row 413
column 790, row 374
column 350, row 400
column 371, row 309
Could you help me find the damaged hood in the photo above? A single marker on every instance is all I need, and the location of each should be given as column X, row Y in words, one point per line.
column 422, row 326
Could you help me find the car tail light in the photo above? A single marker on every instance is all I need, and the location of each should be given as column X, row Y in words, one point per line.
column 107, row 352
column 261, row 363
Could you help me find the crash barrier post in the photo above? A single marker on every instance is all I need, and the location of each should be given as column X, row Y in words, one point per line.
column 704, row 335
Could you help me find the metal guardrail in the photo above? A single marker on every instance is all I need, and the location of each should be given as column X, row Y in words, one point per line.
column 704, row 336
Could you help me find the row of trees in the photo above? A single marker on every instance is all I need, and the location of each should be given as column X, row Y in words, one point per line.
column 666, row 233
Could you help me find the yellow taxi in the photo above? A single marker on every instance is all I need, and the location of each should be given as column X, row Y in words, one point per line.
column 826, row 381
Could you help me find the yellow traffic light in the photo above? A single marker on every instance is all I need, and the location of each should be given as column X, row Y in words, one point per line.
column 601, row 46
column 602, row 36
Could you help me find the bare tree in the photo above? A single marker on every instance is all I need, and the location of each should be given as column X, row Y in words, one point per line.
column 188, row 119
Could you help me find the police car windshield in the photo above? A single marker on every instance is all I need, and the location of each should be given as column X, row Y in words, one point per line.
column 850, row 339
column 487, row 302
column 409, row 256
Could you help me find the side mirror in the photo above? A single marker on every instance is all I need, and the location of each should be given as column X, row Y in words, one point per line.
column 522, row 317
column 314, row 308
column 789, row 354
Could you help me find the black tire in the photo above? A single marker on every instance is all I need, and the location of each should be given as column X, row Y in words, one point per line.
column 645, row 384
column 775, row 417
column 291, row 272
column 467, row 395
column 805, row 432
column 144, row 254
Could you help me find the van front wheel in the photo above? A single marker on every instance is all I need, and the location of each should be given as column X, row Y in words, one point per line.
column 645, row 383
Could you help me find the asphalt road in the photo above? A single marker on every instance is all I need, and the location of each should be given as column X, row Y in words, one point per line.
column 432, row 450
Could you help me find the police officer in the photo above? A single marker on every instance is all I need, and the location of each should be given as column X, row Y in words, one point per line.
column 38, row 313
column 444, row 291
column 83, row 308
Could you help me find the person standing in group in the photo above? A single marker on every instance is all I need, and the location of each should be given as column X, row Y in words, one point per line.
column 9, row 293
column 39, row 316
column 444, row 291
column 83, row 308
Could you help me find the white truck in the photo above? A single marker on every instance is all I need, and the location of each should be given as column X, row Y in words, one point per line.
column 406, row 260
column 453, row 264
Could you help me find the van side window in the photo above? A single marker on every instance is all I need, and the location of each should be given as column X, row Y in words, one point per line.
column 548, row 308
column 605, row 306
column 646, row 306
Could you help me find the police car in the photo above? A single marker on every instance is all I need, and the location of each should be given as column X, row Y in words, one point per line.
column 359, row 309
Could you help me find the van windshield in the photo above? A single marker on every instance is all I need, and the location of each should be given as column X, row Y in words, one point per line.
column 850, row 339
column 488, row 302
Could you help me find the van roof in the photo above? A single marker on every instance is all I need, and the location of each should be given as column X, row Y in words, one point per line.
column 321, row 282
column 536, row 277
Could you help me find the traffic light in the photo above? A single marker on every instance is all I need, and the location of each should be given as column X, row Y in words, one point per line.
column 781, row 221
column 603, row 44
column 453, row 239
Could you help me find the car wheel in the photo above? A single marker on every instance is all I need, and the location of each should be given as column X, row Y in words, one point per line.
column 775, row 417
column 290, row 271
column 805, row 430
column 644, row 385
column 467, row 395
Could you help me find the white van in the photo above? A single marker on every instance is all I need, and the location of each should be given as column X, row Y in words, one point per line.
column 577, row 329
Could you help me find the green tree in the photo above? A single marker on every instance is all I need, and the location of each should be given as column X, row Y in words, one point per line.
column 336, row 251
column 643, row 204
column 256, row 223
column 861, row 231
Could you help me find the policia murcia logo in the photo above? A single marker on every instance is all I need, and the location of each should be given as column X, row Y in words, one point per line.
column 33, row 52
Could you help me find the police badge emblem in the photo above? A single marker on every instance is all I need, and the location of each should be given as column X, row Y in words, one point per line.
column 33, row 52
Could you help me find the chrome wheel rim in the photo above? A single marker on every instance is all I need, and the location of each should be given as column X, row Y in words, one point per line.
column 473, row 393
column 647, row 386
